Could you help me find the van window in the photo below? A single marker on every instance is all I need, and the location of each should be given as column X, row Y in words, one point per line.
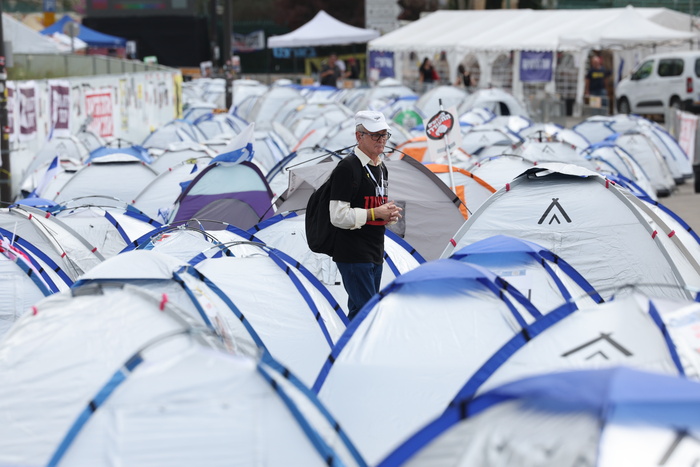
column 670, row 67
column 644, row 70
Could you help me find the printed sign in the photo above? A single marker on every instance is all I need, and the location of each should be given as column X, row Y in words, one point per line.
column 98, row 105
column 27, row 111
column 686, row 135
column 443, row 135
column 383, row 62
column 11, row 113
column 535, row 67
column 59, row 101
column 439, row 125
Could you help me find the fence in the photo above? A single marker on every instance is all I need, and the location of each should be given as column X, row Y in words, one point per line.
column 47, row 66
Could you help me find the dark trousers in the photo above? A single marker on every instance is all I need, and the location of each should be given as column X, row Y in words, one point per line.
column 361, row 282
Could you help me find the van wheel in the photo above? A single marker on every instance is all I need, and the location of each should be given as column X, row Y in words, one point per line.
column 676, row 103
column 623, row 105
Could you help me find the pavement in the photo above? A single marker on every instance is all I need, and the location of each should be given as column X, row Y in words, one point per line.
column 685, row 203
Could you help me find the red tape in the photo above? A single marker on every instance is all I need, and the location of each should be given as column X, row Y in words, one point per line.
column 35, row 310
column 452, row 241
column 163, row 301
column 672, row 233
column 653, row 235
column 507, row 186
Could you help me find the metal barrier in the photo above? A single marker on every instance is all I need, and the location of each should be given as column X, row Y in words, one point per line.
column 47, row 66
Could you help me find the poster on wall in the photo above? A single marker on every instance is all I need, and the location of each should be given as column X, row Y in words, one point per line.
column 381, row 64
column 99, row 106
column 59, row 104
column 535, row 67
column 11, row 113
column 124, row 104
column 27, row 111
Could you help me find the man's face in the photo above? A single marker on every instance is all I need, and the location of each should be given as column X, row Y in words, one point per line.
column 367, row 144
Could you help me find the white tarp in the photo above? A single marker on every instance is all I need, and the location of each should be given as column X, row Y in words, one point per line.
column 323, row 29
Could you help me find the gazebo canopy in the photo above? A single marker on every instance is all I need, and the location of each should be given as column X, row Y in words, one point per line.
column 323, row 29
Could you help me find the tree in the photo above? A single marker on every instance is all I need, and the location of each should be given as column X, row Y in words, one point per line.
column 411, row 9
column 292, row 13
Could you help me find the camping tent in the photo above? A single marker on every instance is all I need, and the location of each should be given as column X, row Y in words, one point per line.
column 91, row 37
column 323, row 29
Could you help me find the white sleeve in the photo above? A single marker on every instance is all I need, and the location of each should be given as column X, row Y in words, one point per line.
column 345, row 217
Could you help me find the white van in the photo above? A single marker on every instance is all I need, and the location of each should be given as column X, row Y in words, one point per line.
column 661, row 81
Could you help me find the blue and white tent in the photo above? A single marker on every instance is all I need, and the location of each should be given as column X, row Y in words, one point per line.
column 609, row 417
column 413, row 346
column 631, row 330
column 587, row 220
column 286, row 232
column 197, row 407
column 547, row 280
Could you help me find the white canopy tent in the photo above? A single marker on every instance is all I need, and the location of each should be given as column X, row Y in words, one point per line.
column 323, row 29
column 489, row 35
column 25, row 40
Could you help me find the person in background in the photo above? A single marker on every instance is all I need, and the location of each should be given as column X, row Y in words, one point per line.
column 598, row 80
column 353, row 69
column 330, row 72
column 427, row 74
column 464, row 78
column 360, row 210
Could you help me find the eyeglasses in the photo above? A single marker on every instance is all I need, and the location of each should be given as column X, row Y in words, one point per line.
column 377, row 136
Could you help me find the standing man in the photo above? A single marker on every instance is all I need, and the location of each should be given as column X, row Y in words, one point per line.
column 597, row 80
column 359, row 207
column 330, row 72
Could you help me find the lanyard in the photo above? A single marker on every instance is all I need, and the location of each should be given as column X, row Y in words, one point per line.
column 379, row 187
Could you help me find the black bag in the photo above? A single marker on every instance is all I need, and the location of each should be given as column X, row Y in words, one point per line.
column 320, row 233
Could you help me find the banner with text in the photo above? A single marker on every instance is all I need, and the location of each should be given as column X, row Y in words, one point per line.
column 99, row 106
column 11, row 111
column 27, row 110
column 59, row 102
column 535, row 67
column 381, row 64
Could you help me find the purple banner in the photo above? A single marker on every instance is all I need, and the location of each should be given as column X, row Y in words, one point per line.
column 383, row 62
column 535, row 67
column 60, row 108
column 27, row 111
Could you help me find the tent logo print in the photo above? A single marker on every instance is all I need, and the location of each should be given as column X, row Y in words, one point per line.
column 604, row 337
column 554, row 204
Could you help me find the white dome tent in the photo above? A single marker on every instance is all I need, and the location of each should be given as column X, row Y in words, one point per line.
column 412, row 346
column 580, row 216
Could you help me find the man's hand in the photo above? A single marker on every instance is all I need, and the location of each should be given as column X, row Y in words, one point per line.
column 388, row 212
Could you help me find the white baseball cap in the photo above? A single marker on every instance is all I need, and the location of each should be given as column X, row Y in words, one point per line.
column 373, row 121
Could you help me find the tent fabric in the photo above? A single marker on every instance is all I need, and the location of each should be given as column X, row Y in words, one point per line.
column 179, row 390
column 412, row 346
column 237, row 194
column 421, row 208
column 594, row 337
column 91, row 37
column 323, row 29
column 589, row 222
column 288, row 233
column 113, row 324
column 506, row 30
column 589, row 416
column 547, row 280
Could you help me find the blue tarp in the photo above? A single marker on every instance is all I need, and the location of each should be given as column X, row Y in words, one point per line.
column 91, row 37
